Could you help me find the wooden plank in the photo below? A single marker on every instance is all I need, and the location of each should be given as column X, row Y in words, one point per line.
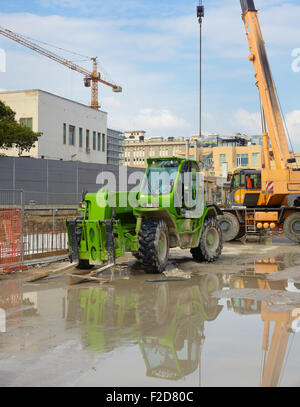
column 81, row 278
column 38, row 277
column 102, row 269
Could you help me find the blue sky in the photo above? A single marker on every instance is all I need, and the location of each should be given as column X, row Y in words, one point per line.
column 152, row 49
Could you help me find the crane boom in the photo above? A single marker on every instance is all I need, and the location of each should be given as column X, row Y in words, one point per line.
column 93, row 77
column 267, row 89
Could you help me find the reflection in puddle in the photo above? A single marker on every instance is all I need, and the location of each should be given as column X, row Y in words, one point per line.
column 166, row 328
column 165, row 320
column 263, row 287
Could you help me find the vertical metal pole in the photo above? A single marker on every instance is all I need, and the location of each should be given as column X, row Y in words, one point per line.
column 200, row 96
column 77, row 181
column 47, row 183
column 200, row 15
column 14, row 179
column 22, row 224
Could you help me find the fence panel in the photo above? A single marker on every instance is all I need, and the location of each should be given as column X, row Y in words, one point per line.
column 45, row 232
column 33, row 224
column 10, row 236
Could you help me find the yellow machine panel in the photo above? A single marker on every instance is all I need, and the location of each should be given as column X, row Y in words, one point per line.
column 266, row 216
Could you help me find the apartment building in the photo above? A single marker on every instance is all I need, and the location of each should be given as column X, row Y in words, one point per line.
column 136, row 152
column 70, row 130
column 115, row 147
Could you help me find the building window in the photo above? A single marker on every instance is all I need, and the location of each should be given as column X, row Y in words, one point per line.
column 103, row 142
column 255, row 159
column 87, row 139
column 27, row 122
column 242, row 160
column 80, row 137
column 65, row 134
column 94, row 140
column 98, row 141
column 71, row 135
column 222, row 159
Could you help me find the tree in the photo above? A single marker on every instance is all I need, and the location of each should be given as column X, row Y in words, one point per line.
column 13, row 134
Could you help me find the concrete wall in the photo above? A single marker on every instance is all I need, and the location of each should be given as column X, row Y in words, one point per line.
column 53, row 113
column 54, row 176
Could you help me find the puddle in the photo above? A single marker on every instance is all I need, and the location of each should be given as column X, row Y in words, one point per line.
column 207, row 330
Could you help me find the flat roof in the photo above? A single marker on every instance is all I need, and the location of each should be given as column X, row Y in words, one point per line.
column 49, row 93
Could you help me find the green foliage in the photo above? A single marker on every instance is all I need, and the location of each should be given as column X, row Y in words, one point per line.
column 13, row 134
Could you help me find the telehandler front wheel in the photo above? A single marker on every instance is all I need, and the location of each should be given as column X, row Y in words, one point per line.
column 84, row 265
column 211, row 242
column 154, row 246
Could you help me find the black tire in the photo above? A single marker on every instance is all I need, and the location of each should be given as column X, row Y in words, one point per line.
column 154, row 309
column 291, row 227
column 241, row 234
column 209, row 284
column 297, row 201
column 136, row 255
column 84, row 265
column 230, row 226
column 211, row 242
column 154, row 246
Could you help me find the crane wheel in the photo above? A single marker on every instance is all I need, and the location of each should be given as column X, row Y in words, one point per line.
column 154, row 246
column 291, row 227
column 230, row 226
column 211, row 242
column 297, row 202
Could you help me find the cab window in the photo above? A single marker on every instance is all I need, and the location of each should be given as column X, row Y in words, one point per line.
column 236, row 181
column 253, row 181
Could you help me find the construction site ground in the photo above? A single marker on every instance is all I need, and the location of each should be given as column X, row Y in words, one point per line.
column 196, row 324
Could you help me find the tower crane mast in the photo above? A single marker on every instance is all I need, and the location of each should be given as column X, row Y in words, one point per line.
column 90, row 78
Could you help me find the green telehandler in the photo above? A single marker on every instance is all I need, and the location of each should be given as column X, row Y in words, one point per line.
column 167, row 212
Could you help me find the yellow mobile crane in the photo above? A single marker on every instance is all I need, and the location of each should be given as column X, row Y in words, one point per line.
column 90, row 78
column 259, row 200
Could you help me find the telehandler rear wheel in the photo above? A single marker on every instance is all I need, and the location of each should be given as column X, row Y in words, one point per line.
column 211, row 242
column 154, row 246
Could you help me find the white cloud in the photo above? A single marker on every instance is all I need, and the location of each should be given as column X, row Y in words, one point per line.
column 154, row 121
column 111, row 101
column 250, row 123
column 160, row 119
column 246, row 122
column 293, row 125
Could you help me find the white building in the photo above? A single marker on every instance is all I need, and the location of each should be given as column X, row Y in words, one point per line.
column 70, row 130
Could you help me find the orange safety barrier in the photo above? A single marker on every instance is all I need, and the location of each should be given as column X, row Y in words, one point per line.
column 10, row 236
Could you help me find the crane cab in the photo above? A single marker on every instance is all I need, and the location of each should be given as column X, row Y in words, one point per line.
column 245, row 188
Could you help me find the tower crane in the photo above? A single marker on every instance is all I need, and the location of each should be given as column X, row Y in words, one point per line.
column 91, row 79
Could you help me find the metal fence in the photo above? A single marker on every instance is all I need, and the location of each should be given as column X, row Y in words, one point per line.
column 33, row 225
